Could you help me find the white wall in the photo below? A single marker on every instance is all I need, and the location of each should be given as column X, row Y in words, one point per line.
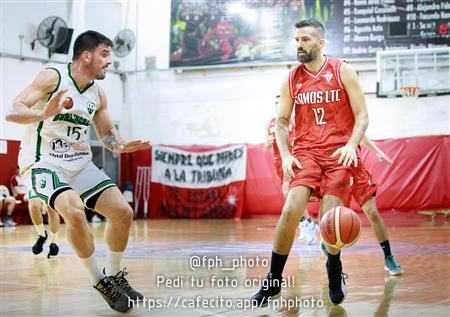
column 192, row 107
column 16, row 74
column 217, row 107
column 79, row 15
column 202, row 108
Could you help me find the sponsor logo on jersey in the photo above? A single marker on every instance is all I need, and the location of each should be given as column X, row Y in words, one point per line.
column 328, row 76
column 59, row 145
column 318, row 97
column 72, row 118
column 90, row 107
column 80, row 145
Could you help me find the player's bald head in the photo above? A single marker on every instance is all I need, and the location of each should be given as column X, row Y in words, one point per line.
column 319, row 31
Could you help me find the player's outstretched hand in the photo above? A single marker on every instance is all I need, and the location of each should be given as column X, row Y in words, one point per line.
column 384, row 157
column 55, row 105
column 288, row 162
column 133, row 146
column 347, row 155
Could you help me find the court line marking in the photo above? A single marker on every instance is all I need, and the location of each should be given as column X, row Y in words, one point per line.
column 48, row 286
column 208, row 313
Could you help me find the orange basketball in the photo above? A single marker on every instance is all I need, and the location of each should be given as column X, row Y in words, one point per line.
column 340, row 227
column 68, row 103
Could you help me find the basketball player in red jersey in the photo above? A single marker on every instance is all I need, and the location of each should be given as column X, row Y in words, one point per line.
column 364, row 191
column 308, row 228
column 330, row 121
column 270, row 144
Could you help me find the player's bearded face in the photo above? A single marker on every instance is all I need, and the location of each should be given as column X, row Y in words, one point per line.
column 305, row 56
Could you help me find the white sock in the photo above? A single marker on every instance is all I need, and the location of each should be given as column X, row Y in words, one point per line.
column 40, row 229
column 113, row 262
column 53, row 237
column 95, row 274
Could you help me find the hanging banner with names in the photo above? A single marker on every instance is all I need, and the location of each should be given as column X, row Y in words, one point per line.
column 200, row 184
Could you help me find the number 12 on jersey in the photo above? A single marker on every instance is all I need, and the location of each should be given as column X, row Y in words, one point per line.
column 319, row 113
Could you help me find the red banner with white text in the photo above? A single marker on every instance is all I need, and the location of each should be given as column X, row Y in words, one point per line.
column 199, row 184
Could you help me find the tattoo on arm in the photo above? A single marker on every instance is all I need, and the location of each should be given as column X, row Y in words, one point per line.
column 111, row 141
column 281, row 133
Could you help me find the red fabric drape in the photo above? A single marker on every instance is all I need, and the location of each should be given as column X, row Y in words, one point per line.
column 418, row 179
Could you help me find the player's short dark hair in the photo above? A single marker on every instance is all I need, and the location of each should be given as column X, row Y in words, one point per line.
column 89, row 41
column 313, row 23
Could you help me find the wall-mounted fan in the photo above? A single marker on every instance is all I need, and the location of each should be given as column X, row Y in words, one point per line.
column 124, row 43
column 53, row 34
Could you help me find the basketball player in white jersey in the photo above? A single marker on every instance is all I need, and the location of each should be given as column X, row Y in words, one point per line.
column 36, row 207
column 55, row 158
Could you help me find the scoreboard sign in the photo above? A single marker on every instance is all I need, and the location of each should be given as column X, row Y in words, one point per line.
column 373, row 25
column 247, row 31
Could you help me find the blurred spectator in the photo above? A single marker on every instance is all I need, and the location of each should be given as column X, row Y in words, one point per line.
column 18, row 187
column 6, row 198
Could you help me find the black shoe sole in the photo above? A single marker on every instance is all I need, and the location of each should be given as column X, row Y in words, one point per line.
column 36, row 253
column 123, row 312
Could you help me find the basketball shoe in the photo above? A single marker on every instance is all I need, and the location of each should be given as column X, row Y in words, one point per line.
column 337, row 289
column 38, row 246
column 270, row 290
column 304, row 229
column 113, row 296
column 312, row 232
column 53, row 250
column 392, row 266
column 121, row 283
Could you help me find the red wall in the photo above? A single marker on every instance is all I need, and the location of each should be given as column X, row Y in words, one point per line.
column 8, row 162
column 418, row 179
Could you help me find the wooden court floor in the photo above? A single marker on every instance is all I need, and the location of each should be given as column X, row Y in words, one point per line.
column 212, row 267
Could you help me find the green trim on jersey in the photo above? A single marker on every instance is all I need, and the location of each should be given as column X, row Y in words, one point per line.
column 38, row 141
column 32, row 195
column 75, row 82
column 105, row 184
column 59, row 82
column 41, row 124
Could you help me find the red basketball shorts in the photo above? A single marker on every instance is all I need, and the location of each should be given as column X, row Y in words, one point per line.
column 362, row 187
column 319, row 170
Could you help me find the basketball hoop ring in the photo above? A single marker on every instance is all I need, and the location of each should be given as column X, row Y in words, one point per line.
column 410, row 91
column 410, row 95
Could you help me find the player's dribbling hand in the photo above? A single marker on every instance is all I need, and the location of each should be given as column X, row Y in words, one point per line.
column 55, row 105
column 287, row 167
column 347, row 155
column 133, row 146
column 269, row 141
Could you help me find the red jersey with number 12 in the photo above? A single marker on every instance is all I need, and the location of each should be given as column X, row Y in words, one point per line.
column 324, row 119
